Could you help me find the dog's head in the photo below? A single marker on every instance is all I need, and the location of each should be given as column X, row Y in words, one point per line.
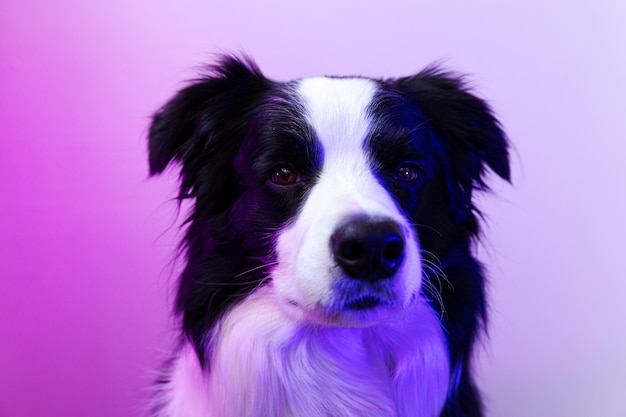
column 340, row 195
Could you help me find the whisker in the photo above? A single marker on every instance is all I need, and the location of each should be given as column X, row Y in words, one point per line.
column 435, row 265
column 226, row 284
column 258, row 285
column 438, row 272
column 430, row 289
column 241, row 283
column 434, row 271
column 256, row 268
column 425, row 226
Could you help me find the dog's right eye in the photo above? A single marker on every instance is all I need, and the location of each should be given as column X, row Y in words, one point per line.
column 284, row 175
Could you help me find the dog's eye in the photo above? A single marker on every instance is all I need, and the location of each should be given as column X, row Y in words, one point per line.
column 407, row 172
column 284, row 175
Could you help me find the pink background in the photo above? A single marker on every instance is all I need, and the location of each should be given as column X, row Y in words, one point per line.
column 86, row 240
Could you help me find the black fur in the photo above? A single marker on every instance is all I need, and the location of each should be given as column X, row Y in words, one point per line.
column 461, row 138
column 226, row 128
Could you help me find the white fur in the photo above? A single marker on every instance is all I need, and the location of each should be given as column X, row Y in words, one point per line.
column 269, row 365
column 186, row 393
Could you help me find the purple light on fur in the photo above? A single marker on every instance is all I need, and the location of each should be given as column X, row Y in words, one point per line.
column 86, row 242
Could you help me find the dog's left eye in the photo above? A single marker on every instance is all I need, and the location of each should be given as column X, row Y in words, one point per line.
column 284, row 175
column 407, row 172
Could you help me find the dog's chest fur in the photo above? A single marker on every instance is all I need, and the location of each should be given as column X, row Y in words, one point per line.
column 265, row 361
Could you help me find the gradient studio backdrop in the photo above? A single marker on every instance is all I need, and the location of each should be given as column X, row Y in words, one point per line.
column 86, row 240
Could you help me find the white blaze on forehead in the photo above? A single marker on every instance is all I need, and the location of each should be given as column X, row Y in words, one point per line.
column 337, row 109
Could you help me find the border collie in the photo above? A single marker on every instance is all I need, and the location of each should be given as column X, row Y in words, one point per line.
column 329, row 269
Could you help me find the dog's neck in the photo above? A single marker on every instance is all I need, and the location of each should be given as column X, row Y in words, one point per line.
column 266, row 364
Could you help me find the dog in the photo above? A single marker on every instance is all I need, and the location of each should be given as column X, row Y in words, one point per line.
column 329, row 269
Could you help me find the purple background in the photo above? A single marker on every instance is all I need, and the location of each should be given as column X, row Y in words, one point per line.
column 87, row 242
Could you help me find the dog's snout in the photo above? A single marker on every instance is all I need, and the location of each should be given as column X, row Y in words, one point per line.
column 368, row 248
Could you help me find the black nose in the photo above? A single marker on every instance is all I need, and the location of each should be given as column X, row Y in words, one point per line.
column 368, row 248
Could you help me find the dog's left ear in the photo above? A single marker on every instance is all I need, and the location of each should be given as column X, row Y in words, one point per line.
column 471, row 135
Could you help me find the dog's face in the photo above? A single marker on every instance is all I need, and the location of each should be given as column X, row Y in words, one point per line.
column 337, row 194
column 349, row 254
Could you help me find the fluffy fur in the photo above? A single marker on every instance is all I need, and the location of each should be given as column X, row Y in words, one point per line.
column 329, row 267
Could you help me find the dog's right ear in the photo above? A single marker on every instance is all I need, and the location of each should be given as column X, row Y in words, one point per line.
column 208, row 109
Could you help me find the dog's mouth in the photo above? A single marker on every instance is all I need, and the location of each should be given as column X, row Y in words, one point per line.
column 353, row 305
column 366, row 302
